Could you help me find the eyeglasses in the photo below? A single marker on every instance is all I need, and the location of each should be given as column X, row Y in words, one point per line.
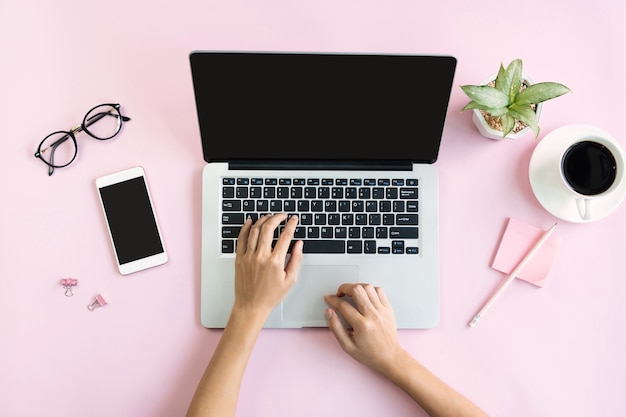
column 59, row 149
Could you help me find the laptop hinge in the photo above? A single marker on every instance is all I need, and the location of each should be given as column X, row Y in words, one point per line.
column 395, row 165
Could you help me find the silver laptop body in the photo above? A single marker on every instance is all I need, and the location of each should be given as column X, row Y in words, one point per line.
column 350, row 129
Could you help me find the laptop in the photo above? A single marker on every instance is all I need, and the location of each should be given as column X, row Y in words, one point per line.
column 347, row 141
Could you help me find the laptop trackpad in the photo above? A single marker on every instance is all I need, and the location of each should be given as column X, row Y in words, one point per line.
column 305, row 302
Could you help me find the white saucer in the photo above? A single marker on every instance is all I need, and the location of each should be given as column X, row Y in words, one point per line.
column 546, row 183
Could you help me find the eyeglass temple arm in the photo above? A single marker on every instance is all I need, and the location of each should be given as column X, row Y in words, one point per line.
column 99, row 116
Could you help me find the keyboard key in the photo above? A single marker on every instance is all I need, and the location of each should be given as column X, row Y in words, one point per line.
column 323, row 192
column 276, row 206
column 296, row 192
column 290, row 206
column 299, row 233
column 242, row 192
column 406, row 219
column 408, row 193
column 228, row 192
column 230, row 232
column 403, row 232
column 344, row 206
column 269, row 192
column 391, row 193
column 360, row 219
column 355, row 246
column 232, row 218
column 317, row 205
column 303, row 205
column 334, row 219
column 228, row 246
column 319, row 219
column 248, row 205
column 351, row 192
column 324, row 246
column 282, row 192
column 231, row 205
column 397, row 246
column 262, row 205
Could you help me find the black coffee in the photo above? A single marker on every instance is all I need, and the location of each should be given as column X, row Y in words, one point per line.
column 589, row 167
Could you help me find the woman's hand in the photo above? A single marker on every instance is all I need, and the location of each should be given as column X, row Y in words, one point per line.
column 373, row 340
column 263, row 277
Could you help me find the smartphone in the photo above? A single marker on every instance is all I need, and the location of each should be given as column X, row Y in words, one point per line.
column 131, row 220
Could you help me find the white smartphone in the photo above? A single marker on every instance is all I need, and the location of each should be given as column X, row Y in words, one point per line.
column 131, row 220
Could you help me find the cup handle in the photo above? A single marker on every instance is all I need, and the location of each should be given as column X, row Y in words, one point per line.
column 584, row 208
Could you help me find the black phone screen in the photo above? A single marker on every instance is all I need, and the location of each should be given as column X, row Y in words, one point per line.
column 131, row 221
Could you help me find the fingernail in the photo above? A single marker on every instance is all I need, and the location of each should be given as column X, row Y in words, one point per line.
column 329, row 313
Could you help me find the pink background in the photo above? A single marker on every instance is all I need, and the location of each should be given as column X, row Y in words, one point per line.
column 552, row 351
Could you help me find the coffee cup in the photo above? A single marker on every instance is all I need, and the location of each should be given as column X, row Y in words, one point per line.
column 591, row 168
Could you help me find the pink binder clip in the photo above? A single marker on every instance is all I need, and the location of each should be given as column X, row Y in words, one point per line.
column 98, row 302
column 68, row 283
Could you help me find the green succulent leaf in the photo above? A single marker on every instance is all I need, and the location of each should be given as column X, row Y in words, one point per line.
column 502, row 82
column 485, row 96
column 473, row 105
column 527, row 115
column 508, row 122
column 540, row 92
column 497, row 111
column 513, row 77
column 508, row 78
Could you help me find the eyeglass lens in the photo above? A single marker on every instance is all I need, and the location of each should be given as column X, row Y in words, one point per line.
column 58, row 149
column 103, row 122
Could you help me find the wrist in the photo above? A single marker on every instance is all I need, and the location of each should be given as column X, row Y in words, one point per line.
column 250, row 316
column 395, row 363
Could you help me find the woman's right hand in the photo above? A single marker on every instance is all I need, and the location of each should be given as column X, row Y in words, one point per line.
column 373, row 338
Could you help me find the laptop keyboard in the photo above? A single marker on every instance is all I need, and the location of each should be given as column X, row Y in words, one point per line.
column 336, row 215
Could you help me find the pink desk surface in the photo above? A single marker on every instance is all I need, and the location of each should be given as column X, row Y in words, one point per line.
column 551, row 351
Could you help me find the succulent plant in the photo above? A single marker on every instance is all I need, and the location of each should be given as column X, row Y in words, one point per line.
column 510, row 100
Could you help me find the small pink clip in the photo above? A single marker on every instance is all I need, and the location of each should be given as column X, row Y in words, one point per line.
column 68, row 283
column 98, row 302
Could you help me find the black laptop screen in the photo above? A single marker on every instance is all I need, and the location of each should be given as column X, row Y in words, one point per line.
column 314, row 106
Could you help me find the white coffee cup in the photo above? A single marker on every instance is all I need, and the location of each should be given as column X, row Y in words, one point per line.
column 591, row 168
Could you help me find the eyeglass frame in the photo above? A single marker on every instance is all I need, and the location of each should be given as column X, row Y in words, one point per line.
column 82, row 127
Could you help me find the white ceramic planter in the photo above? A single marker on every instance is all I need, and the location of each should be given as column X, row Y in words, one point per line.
column 488, row 132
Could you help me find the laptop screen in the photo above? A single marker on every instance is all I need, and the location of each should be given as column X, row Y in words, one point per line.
column 320, row 106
